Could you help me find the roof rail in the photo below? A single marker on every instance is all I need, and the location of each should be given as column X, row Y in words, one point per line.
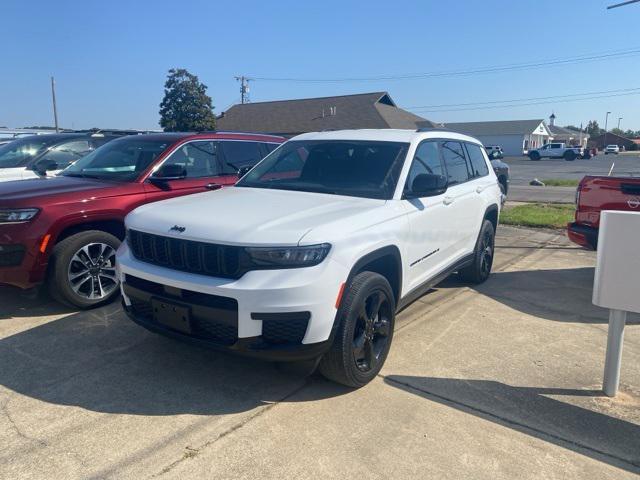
column 434, row 129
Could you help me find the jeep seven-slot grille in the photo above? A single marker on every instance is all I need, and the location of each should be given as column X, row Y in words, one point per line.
column 186, row 255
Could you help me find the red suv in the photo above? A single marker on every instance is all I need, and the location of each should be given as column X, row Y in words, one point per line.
column 65, row 230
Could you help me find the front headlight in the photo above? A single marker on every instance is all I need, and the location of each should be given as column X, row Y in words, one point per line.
column 17, row 215
column 287, row 257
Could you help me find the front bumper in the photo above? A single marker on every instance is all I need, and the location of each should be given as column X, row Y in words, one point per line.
column 272, row 314
column 583, row 235
column 21, row 263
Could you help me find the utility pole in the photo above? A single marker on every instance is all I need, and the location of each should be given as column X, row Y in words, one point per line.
column 606, row 119
column 244, row 88
column 55, row 108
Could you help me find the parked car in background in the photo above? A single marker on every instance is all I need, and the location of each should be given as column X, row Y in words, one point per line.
column 495, row 151
column 37, row 156
column 615, row 149
column 597, row 193
column 64, row 230
column 310, row 255
column 555, row 150
column 501, row 170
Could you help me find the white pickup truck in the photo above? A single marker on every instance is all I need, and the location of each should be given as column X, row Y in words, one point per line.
column 556, row 150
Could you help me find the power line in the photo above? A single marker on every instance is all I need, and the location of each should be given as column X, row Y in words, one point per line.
column 622, row 4
column 453, row 73
column 443, row 105
column 532, row 103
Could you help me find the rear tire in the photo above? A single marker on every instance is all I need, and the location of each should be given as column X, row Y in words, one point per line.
column 570, row 156
column 483, row 254
column 82, row 269
column 365, row 331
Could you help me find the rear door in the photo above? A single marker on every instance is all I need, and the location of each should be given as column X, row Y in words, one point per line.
column 460, row 199
column 200, row 160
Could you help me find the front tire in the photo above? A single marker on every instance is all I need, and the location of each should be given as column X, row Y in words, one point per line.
column 365, row 331
column 535, row 156
column 480, row 269
column 83, row 273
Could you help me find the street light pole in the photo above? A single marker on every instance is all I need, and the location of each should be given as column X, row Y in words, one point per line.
column 619, row 118
column 606, row 119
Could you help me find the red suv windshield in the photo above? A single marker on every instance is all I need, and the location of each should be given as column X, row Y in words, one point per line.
column 123, row 159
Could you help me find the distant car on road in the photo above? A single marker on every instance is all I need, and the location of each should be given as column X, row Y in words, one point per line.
column 615, row 149
column 37, row 156
column 555, row 150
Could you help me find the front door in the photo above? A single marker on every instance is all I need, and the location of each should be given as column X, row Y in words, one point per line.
column 200, row 161
column 430, row 226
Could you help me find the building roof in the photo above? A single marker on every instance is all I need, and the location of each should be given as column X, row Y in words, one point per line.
column 291, row 117
column 555, row 130
column 501, row 127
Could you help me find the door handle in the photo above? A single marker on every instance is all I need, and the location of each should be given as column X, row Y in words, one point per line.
column 448, row 200
column 480, row 189
column 212, row 186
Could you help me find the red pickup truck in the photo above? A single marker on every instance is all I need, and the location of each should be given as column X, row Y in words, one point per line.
column 66, row 229
column 595, row 194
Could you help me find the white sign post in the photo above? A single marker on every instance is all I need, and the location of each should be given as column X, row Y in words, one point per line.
column 617, row 283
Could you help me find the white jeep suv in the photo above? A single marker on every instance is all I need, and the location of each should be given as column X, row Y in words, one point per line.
column 311, row 254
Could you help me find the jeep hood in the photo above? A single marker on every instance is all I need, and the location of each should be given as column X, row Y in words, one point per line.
column 249, row 216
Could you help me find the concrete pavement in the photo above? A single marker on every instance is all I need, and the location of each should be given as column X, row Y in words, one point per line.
column 498, row 381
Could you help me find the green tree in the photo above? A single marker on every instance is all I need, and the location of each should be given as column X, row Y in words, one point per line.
column 593, row 128
column 186, row 107
column 574, row 128
column 617, row 131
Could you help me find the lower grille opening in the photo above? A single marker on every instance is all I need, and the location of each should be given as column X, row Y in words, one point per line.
column 11, row 255
column 213, row 318
column 283, row 328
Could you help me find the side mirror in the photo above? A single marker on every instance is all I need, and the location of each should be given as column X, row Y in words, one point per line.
column 494, row 155
column 169, row 172
column 242, row 171
column 44, row 166
column 427, row 185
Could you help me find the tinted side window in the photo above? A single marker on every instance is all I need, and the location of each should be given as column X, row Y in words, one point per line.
column 199, row 159
column 478, row 163
column 425, row 160
column 455, row 161
column 240, row 154
column 270, row 147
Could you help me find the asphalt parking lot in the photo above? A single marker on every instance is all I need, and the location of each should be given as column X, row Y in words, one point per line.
column 498, row 381
column 523, row 170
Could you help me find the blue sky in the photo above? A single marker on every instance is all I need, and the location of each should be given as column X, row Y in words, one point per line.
column 110, row 58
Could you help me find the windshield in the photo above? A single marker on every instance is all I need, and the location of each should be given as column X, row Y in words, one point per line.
column 19, row 152
column 122, row 159
column 355, row 168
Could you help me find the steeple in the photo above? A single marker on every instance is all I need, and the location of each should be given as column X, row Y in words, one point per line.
column 552, row 119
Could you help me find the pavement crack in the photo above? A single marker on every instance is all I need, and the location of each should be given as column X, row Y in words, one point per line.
column 14, row 426
column 192, row 452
